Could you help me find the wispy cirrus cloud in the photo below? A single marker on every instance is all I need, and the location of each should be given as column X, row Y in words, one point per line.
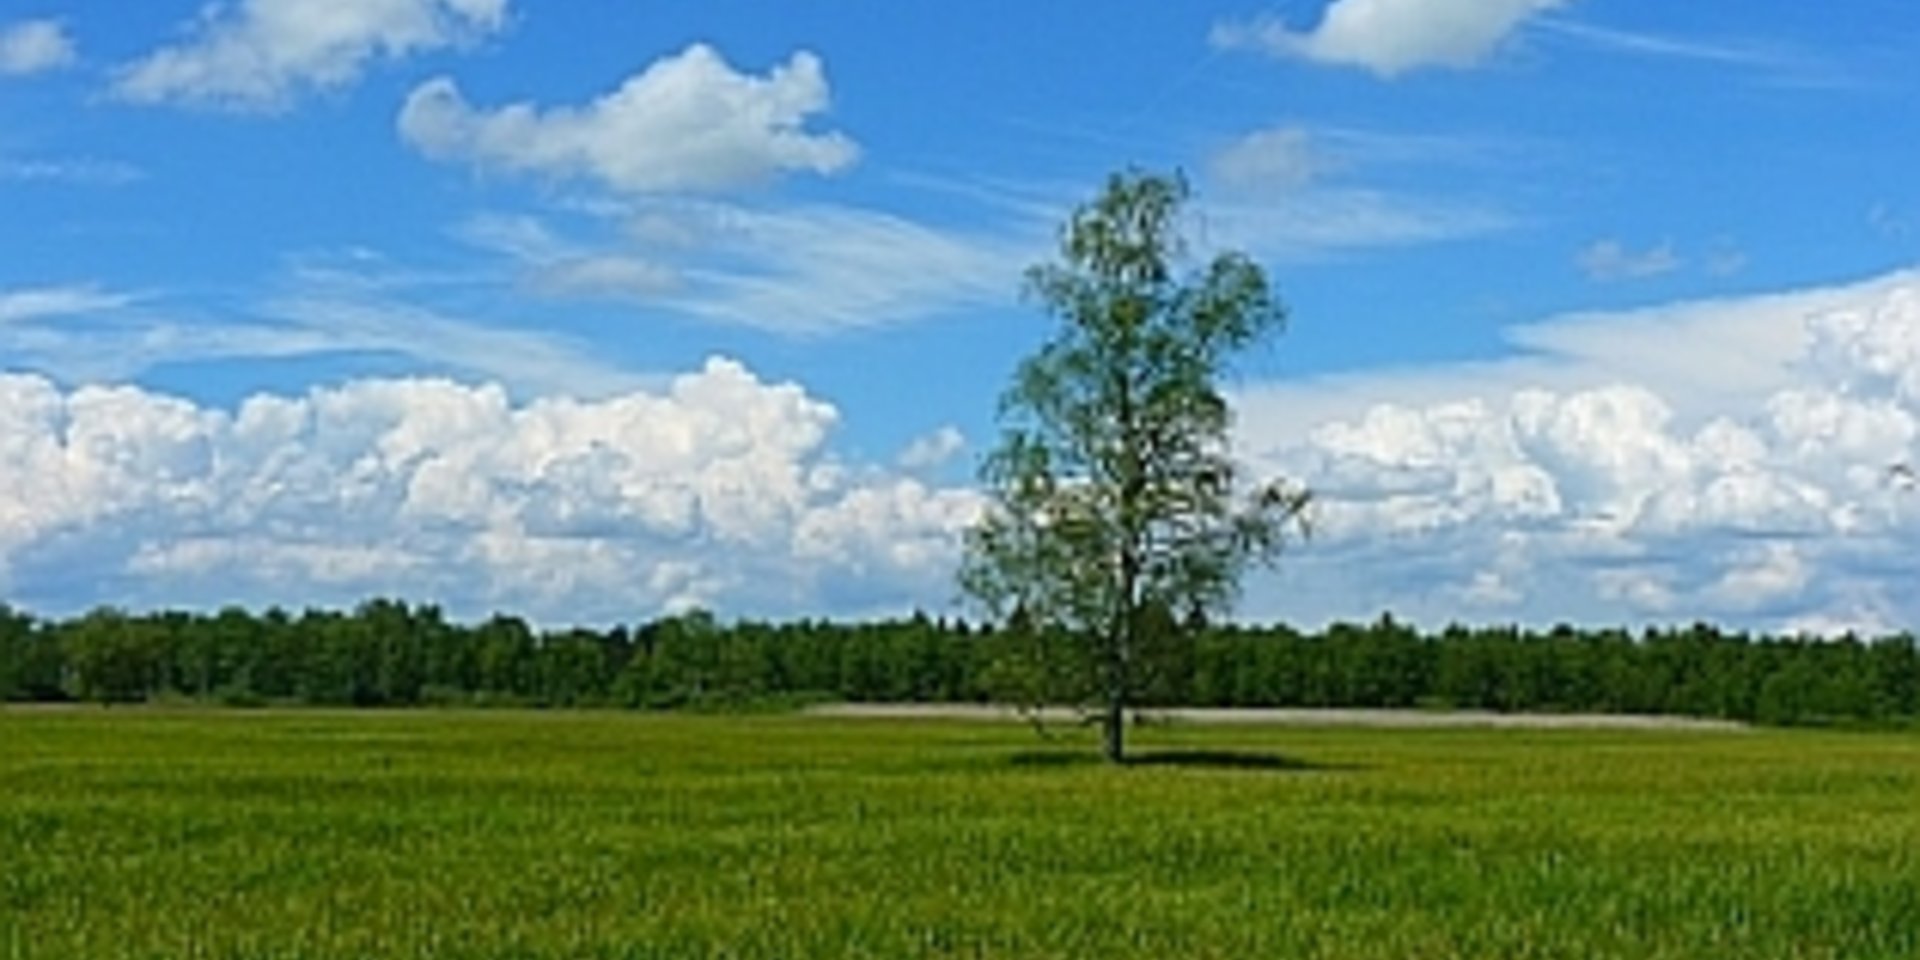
column 1885, row 220
column 77, row 171
column 35, row 46
column 1780, row 62
column 530, row 361
column 1295, row 192
column 556, row 267
column 793, row 269
column 1610, row 260
column 1344, row 221
column 1275, row 159
column 53, row 302
column 90, row 334
column 816, row 269
column 85, row 335
column 1298, row 155
column 1655, row 45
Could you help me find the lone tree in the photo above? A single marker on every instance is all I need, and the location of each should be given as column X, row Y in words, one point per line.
column 1117, row 522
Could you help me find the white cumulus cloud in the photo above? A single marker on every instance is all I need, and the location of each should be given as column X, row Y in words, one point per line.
column 1625, row 469
column 35, row 46
column 686, row 122
column 933, row 449
column 1627, row 499
column 259, row 55
column 1390, row 37
column 716, row 489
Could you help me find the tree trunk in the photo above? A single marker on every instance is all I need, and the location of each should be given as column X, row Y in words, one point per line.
column 1114, row 730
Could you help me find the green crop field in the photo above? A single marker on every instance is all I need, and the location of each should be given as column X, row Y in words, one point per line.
column 154, row 833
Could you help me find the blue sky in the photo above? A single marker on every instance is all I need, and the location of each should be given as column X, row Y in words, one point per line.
column 1602, row 310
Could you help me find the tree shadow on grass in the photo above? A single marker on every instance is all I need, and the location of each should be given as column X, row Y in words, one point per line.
column 1249, row 761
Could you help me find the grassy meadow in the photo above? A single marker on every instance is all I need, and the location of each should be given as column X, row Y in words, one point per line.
column 304, row 834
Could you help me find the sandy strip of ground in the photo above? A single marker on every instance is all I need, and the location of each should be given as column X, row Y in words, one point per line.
column 1400, row 719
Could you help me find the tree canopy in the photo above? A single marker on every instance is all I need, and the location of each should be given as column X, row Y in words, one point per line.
column 1118, row 516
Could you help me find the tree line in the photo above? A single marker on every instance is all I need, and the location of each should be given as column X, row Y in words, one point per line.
column 387, row 653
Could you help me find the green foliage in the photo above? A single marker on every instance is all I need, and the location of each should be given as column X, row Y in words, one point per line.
column 114, row 658
column 1116, row 507
column 386, row 653
column 20, row 667
column 327, row 835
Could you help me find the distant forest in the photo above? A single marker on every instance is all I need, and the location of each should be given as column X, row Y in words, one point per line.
column 392, row 654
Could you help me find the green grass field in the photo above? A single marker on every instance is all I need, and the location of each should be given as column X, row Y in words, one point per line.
column 147, row 833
